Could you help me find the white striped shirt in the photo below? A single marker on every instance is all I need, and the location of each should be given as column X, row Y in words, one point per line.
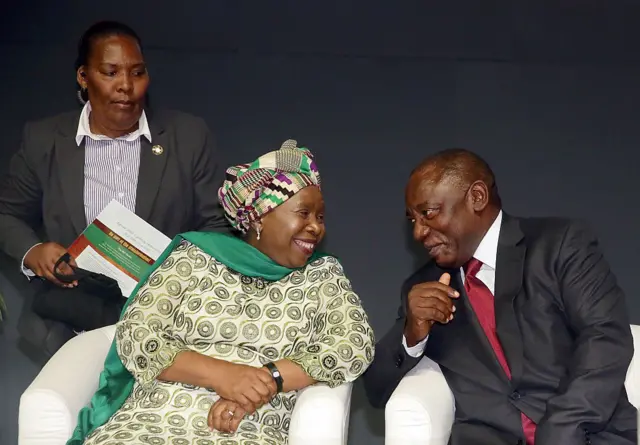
column 111, row 168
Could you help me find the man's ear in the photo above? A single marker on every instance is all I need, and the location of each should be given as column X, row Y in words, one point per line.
column 479, row 196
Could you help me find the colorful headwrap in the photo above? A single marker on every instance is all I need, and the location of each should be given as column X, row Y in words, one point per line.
column 252, row 190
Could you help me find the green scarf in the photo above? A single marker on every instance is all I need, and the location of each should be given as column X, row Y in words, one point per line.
column 116, row 382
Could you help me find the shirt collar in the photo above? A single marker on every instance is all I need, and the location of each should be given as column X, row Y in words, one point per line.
column 487, row 251
column 85, row 130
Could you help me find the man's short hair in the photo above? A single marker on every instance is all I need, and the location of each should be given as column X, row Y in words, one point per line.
column 460, row 167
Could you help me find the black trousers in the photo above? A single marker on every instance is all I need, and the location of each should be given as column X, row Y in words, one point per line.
column 44, row 332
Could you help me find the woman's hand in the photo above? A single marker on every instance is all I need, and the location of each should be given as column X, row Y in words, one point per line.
column 225, row 416
column 249, row 386
column 42, row 258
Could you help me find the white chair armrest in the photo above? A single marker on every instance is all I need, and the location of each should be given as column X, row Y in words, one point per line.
column 421, row 409
column 632, row 382
column 321, row 416
column 49, row 407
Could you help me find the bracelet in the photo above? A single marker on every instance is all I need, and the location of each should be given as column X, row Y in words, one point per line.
column 275, row 373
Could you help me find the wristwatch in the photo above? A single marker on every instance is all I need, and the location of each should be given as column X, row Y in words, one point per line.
column 275, row 373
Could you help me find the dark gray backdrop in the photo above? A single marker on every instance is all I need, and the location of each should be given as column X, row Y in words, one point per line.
column 547, row 93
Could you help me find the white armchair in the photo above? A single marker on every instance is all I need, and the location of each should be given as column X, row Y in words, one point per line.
column 421, row 409
column 49, row 407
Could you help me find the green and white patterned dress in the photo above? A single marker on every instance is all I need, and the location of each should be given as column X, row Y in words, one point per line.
column 193, row 302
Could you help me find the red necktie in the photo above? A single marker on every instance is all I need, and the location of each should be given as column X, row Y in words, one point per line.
column 482, row 301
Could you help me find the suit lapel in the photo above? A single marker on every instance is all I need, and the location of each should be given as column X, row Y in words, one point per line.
column 509, row 272
column 482, row 349
column 70, row 160
column 152, row 165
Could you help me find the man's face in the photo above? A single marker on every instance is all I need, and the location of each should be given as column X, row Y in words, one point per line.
column 443, row 218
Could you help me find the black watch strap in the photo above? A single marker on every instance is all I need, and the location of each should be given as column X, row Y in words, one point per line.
column 275, row 373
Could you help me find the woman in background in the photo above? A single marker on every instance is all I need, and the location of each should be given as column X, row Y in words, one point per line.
column 221, row 336
column 161, row 165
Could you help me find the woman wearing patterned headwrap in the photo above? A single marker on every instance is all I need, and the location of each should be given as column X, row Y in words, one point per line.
column 216, row 341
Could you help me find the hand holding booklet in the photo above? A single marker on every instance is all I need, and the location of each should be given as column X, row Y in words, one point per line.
column 120, row 245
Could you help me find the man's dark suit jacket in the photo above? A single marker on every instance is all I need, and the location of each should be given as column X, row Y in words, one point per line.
column 42, row 197
column 562, row 322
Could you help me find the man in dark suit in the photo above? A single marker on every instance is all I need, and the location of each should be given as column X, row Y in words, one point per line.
column 163, row 166
column 523, row 315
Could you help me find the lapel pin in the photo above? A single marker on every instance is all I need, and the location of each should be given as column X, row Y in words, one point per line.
column 157, row 150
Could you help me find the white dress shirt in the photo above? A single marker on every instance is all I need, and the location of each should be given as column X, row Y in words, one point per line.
column 111, row 168
column 486, row 253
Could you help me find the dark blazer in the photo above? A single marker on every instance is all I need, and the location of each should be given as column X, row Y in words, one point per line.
column 177, row 190
column 562, row 321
